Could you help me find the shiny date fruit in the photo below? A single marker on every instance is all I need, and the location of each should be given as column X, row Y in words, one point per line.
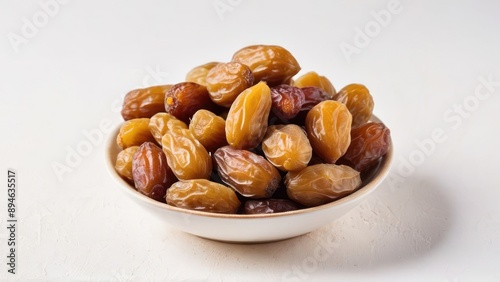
column 134, row 132
column 321, row 184
column 270, row 206
column 226, row 81
column 247, row 118
column 145, row 102
column 328, row 127
column 359, row 101
column 287, row 147
column 286, row 101
column 273, row 64
column 160, row 123
column 123, row 164
column 313, row 96
column 185, row 98
column 314, row 79
column 151, row 173
column 369, row 142
column 199, row 73
column 249, row 174
column 186, row 157
column 203, row 195
column 209, row 129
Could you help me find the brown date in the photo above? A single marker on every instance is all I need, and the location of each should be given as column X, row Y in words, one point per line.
column 160, row 123
column 287, row 101
column 270, row 206
column 209, row 129
column 145, row 102
column 203, row 195
column 273, row 64
column 314, row 79
column 185, row 98
column 322, row 183
column 123, row 163
column 312, row 96
column 134, row 132
column 247, row 119
column 187, row 158
column 287, row 147
column 151, row 173
column 249, row 174
column 226, row 81
column 369, row 142
column 328, row 127
column 199, row 74
column 358, row 100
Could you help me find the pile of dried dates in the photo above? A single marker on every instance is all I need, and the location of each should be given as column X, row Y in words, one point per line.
column 247, row 137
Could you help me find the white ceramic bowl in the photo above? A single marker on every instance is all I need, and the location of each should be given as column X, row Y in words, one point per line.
column 249, row 228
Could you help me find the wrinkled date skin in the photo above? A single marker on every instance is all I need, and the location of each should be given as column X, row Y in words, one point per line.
column 313, row 96
column 287, row 101
column 250, row 136
column 328, row 127
column 358, row 100
column 144, row 103
column 185, row 98
column 369, row 142
column 209, row 129
column 187, row 158
column 273, row 64
column 247, row 118
column 203, row 195
column 315, row 80
column 151, row 173
column 249, row 174
column 226, row 81
column 321, row 184
column 123, row 163
column 134, row 132
column 270, row 206
column 160, row 123
column 199, row 74
column 287, row 147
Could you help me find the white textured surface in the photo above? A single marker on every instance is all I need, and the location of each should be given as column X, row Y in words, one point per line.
column 438, row 223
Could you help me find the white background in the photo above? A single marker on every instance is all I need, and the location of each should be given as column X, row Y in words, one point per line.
column 434, row 219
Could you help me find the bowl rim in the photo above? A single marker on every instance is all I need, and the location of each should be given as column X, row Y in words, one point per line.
column 383, row 171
